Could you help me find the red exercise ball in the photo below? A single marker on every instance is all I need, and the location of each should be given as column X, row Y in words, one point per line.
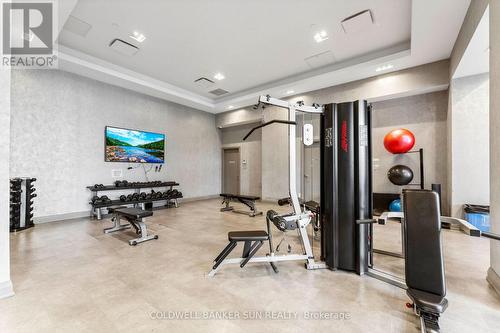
column 399, row 141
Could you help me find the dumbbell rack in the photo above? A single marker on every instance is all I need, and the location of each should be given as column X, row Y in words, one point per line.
column 22, row 191
column 97, row 207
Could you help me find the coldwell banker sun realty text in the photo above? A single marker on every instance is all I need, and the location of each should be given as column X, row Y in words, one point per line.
column 28, row 30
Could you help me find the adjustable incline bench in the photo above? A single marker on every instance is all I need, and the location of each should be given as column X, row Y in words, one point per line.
column 135, row 217
column 247, row 200
column 424, row 268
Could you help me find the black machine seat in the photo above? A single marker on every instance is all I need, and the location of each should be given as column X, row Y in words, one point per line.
column 111, row 209
column 133, row 213
column 238, row 196
column 427, row 302
column 251, row 235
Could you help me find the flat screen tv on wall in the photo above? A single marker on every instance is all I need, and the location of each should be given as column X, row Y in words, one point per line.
column 127, row 145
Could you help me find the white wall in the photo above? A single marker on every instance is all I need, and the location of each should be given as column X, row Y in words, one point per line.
column 494, row 273
column 57, row 136
column 470, row 142
column 5, row 284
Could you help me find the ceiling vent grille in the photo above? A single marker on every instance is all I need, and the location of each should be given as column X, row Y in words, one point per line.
column 77, row 26
column 123, row 47
column 203, row 82
column 320, row 59
column 358, row 22
column 218, row 92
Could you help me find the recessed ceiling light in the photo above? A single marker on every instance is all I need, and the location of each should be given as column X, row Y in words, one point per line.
column 138, row 36
column 289, row 92
column 384, row 68
column 219, row 76
column 230, row 107
column 320, row 36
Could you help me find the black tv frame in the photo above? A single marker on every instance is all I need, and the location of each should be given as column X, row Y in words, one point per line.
column 137, row 130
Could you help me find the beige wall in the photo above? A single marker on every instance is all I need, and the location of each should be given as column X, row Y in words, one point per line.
column 495, row 139
column 5, row 284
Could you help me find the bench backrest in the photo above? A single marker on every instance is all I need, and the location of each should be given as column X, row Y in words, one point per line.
column 423, row 251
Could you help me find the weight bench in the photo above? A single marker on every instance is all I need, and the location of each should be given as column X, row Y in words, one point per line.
column 117, row 226
column 424, row 268
column 247, row 200
column 136, row 218
column 254, row 239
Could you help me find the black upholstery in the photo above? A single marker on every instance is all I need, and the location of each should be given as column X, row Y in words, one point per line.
column 237, row 196
column 134, row 213
column 250, row 235
column 427, row 302
column 111, row 209
column 424, row 268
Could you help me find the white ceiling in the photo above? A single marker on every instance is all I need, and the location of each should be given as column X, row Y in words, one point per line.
column 476, row 58
column 259, row 45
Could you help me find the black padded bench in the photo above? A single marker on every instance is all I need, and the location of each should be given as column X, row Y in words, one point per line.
column 254, row 239
column 424, row 268
column 247, row 200
column 136, row 218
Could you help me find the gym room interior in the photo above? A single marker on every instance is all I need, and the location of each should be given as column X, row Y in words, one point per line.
column 237, row 166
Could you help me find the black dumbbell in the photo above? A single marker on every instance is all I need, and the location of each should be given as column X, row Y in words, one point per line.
column 123, row 198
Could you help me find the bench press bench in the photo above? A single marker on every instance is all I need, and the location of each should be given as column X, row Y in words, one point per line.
column 247, row 200
column 135, row 217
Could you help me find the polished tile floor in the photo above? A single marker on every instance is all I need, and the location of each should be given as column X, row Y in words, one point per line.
column 70, row 277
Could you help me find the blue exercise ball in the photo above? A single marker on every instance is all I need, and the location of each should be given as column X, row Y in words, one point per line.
column 395, row 206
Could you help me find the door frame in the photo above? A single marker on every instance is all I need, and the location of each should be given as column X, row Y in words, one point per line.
column 223, row 149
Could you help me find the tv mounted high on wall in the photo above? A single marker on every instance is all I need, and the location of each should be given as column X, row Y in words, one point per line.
column 133, row 146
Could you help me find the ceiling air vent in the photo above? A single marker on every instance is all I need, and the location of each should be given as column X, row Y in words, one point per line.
column 203, row 82
column 218, row 92
column 123, row 47
column 77, row 26
column 320, row 59
column 358, row 22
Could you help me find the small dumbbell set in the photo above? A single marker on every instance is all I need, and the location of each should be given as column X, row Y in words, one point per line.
column 22, row 193
column 138, row 198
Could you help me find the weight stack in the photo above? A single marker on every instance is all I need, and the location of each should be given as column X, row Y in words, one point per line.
column 22, row 193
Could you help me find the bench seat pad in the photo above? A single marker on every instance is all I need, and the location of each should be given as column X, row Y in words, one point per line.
column 111, row 209
column 134, row 212
column 250, row 235
column 237, row 196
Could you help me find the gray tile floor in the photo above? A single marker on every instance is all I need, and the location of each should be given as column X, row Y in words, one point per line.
column 69, row 276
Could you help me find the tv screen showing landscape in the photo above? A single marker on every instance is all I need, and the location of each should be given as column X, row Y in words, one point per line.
column 126, row 145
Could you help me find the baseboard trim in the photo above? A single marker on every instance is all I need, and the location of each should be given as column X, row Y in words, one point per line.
column 6, row 289
column 61, row 217
column 493, row 279
column 77, row 215
column 206, row 197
